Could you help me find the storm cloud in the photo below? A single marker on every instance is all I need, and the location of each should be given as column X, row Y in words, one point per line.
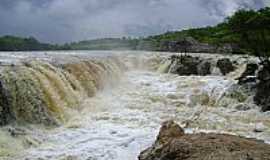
column 71, row 20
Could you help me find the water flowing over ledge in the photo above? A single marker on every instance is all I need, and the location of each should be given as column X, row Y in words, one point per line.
column 110, row 106
column 47, row 89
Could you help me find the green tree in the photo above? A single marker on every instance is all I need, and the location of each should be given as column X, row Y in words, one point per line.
column 252, row 30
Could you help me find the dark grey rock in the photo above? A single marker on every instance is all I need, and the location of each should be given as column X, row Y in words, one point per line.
column 204, row 68
column 262, row 96
column 249, row 75
column 185, row 65
column 225, row 65
column 5, row 114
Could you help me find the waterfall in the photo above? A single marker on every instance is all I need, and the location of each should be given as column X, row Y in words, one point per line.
column 91, row 106
column 165, row 66
column 43, row 92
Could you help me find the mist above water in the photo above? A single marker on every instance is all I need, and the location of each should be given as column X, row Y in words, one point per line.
column 124, row 114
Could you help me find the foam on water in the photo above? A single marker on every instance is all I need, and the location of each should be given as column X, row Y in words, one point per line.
column 120, row 121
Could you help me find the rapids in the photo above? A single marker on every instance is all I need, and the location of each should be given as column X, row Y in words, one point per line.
column 122, row 115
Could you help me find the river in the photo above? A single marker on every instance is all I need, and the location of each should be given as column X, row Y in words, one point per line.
column 124, row 118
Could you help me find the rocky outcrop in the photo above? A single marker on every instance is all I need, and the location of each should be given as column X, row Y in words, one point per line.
column 204, row 68
column 262, row 96
column 5, row 114
column 173, row 144
column 249, row 75
column 256, row 78
column 225, row 65
column 189, row 44
column 187, row 65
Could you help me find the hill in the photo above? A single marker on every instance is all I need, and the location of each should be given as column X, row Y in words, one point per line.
column 13, row 43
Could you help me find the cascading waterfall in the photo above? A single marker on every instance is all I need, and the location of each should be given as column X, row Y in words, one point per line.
column 111, row 106
column 220, row 91
column 43, row 93
column 165, row 66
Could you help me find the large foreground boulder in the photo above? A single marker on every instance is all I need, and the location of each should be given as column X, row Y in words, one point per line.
column 173, row 144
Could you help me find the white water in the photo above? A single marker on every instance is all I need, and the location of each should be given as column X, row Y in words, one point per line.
column 121, row 121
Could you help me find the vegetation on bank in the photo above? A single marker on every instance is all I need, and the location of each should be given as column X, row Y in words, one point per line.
column 105, row 44
column 247, row 30
column 251, row 31
column 12, row 43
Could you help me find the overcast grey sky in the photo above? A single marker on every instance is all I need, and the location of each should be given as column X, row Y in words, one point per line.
column 71, row 20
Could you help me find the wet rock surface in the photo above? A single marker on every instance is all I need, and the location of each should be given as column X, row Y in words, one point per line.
column 249, row 75
column 5, row 114
column 204, row 68
column 225, row 65
column 187, row 65
column 262, row 96
column 173, row 144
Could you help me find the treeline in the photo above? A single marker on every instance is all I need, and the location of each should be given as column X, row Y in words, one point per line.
column 12, row 43
column 105, row 44
column 247, row 31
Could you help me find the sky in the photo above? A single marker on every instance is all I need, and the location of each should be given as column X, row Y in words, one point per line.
column 60, row 21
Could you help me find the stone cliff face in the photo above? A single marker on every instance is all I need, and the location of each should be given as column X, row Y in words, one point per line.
column 173, row 144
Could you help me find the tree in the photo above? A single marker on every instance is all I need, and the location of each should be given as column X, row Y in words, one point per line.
column 252, row 29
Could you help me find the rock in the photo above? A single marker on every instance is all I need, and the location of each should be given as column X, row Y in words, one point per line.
column 204, row 68
column 5, row 114
column 15, row 132
column 225, row 65
column 262, row 96
column 173, row 144
column 168, row 130
column 191, row 45
column 249, row 75
column 242, row 107
column 187, row 65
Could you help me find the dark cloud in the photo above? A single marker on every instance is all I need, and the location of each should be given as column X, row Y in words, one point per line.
column 69, row 20
column 222, row 8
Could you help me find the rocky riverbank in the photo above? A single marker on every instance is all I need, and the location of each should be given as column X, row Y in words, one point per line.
column 253, row 78
column 173, row 143
column 252, row 74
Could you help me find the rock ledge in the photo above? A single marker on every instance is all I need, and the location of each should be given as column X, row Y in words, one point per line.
column 173, row 144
